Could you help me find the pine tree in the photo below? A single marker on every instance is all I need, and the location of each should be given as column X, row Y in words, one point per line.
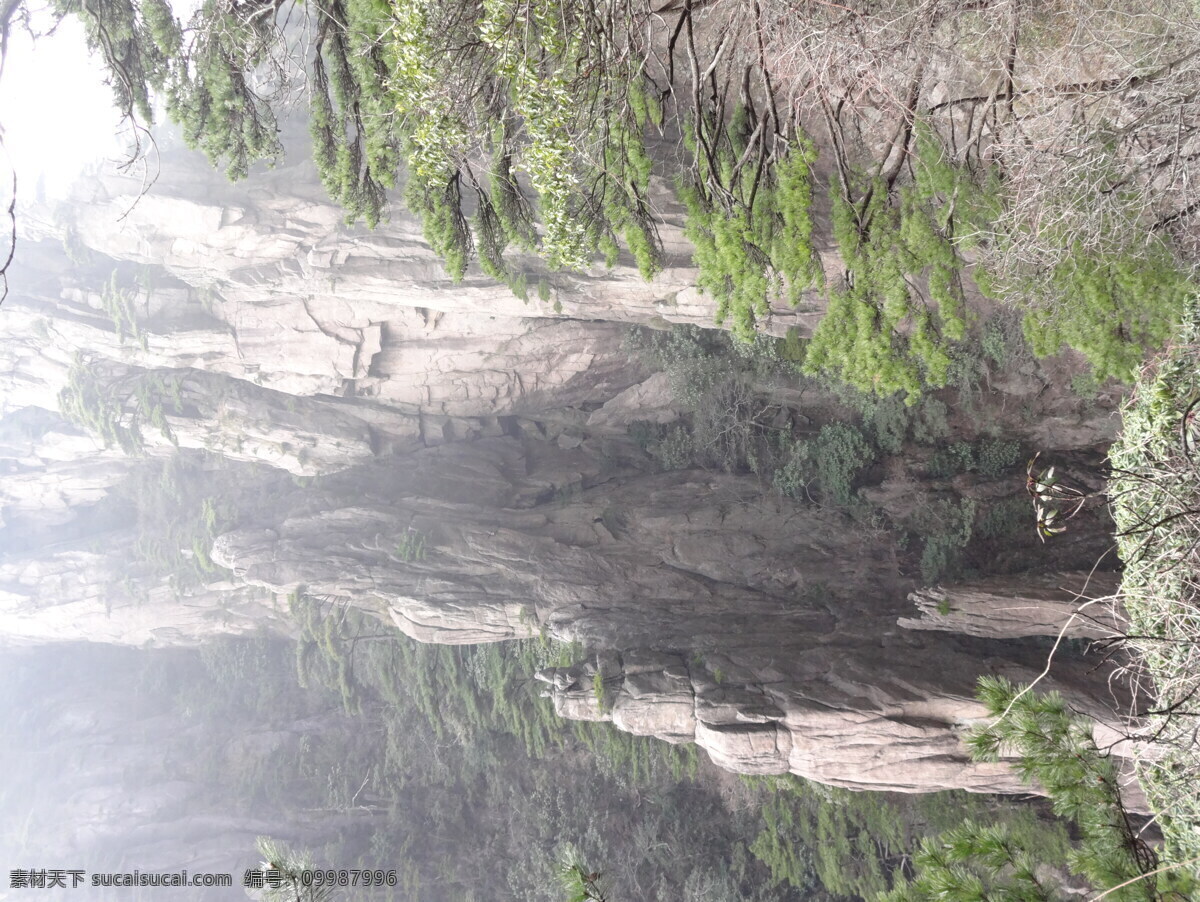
column 1055, row 750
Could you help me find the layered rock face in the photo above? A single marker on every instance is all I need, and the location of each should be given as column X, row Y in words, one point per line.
column 456, row 461
column 1073, row 605
column 709, row 597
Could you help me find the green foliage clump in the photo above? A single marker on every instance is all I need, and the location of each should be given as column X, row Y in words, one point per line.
column 77, row 252
column 600, row 691
column 947, row 527
column 1094, row 272
column 582, row 884
column 1003, row 342
column 1006, row 519
column 119, row 303
column 627, row 212
column 143, row 36
column 880, row 333
column 325, row 647
column 723, row 385
column 989, row 457
column 751, row 227
column 930, row 425
column 356, row 140
column 293, row 869
column 1058, row 752
column 973, row 861
column 672, row 446
column 461, row 691
column 994, row 456
column 1153, row 492
column 889, row 421
column 886, row 420
column 536, row 89
column 212, row 92
column 175, row 504
column 828, row 462
column 717, row 381
column 445, row 227
column 211, row 79
column 114, row 404
column 792, row 348
column 953, row 459
column 411, row 545
column 90, row 401
column 1085, row 385
column 790, row 857
column 513, row 210
column 1113, row 307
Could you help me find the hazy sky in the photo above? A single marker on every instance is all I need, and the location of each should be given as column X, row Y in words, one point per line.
column 55, row 109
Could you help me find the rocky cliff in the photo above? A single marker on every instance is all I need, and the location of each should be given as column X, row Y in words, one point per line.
column 456, row 460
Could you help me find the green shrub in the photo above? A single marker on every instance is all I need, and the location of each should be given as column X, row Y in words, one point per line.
column 988, row 457
column 966, row 372
column 947, row 527
column 1154, row 489
column 952, row 460
column 854, row 843
column 1113, row 303
column 994, row 456
column 120, row 305
column 1005, row 519
column 887, row 423
column 1056, row 750
column 1003, row 340
column 886, row 419
column 830, row 462
column 717, row 381
column 792, row 347
column 889, row 420
column 92, row 401
column 931, row 425
column 751, row 228
column 411, row 545
column 1085, row 385
column 676, row 449
column 880, row 334
column 439, row 205
column 176, row 509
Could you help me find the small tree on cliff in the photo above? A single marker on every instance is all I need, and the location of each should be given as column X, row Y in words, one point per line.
column 1056, row 750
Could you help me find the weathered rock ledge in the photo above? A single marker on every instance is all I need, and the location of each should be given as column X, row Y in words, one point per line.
column 1076, row 605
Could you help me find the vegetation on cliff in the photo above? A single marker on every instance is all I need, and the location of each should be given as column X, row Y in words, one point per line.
column 1155, row 487
column 462, row 734
column 737, row 418
column 814, row 159
column 814, row 156
column 1055, row 750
